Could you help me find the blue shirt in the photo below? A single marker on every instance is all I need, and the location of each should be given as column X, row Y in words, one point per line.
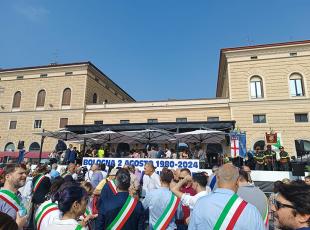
column 208, row 209
column 157, row 201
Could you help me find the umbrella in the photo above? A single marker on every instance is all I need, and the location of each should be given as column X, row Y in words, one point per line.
column 109, row 137
column 61, row 134
column 150, row 135
column 201, row 136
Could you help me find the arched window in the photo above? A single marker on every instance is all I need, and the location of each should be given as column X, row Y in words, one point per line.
column 41, row 98
column 34, row 147
column 66, row 97
column 9, row 147
column 260, row 144
column 296, row 85
column 16, row 99
column 256, row 83
column 95, row 98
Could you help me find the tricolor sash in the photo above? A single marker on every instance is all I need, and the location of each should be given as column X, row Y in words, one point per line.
column 10, row 198
column 164, row 220
column 87, row 212
column 230, row 213
column 46, row 209
column 38, row 182
column 266, row 216
column 112, row 186
column 123, row 214
column 79, row 227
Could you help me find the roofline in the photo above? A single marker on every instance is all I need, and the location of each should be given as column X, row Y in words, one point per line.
column 88, row 63
column 266, row 45
column 172, row 100
column 45, row 66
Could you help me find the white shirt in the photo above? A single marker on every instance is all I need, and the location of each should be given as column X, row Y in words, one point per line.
column 88, row 175
column 190, row 201
column 69, row 224
column 49, row 218
column 168, row 154
column 104, row 174
column 150, row 182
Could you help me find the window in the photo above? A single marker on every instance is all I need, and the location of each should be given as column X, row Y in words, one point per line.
column 9, row 147
column 13, row 124
column 253, row 57
column 259, row 118
column 183, row 119
column 301, row 117
column 43, row 75
column 66, row 97
column 37, row 124
column 124, row 121
column 213, row 118
column 152, row 120
column 17, row 99
column 19, row 77
column 63, row 122
column 95, row 98
column 296, row 85
column 98, row 122
column 41, row 98
column 34, row 147
column 256, row 87
column 293, row 54
column 68, row 73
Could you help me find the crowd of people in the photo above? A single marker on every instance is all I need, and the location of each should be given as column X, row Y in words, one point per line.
column 259, row 159
column 125, row 198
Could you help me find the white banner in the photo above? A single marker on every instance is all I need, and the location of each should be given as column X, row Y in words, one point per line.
column 139, row 163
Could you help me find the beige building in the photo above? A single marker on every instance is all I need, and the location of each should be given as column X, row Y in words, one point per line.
column 260, row 87
column 50, row 97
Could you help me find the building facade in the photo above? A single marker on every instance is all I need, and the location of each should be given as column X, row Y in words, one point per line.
column 260, row 87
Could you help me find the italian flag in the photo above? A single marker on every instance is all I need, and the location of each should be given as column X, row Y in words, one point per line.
column 10, row 198
column 37, row 183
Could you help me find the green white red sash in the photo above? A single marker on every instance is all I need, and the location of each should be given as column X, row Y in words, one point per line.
column 112, row 186
column 230, row 213
column 164, row 220
column 87, row 212
column 78, row 227
column 10, row 198
column 46, row 209
column 266, row 215
column 123, row 214
column 38, row 182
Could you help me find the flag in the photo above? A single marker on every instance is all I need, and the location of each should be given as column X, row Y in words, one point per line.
column 237, row 144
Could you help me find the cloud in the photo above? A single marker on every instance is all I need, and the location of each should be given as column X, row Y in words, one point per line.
column 32, row 13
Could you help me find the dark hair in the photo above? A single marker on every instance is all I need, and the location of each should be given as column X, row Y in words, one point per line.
column 276, row 186
column 57, row 182
column 68, row 178
column 243, row 175
column 123, row 179
column 298, row 193
column 67, row 195
column 201, row 178
column 186, row 170
column 166, row 175
column 102, row 167
column 7, row 222
column 10, row 168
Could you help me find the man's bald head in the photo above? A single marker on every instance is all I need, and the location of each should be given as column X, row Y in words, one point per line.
column 227, row 176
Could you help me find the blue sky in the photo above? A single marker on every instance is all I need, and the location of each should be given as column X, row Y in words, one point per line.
column 154, row 49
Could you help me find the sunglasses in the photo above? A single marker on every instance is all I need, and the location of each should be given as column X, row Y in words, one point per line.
column 277, row 204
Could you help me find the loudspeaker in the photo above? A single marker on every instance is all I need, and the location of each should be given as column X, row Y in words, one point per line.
column 21, row 145
column 298, row 169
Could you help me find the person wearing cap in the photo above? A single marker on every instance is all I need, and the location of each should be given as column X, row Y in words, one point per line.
column 151, row 179
column 284, row 159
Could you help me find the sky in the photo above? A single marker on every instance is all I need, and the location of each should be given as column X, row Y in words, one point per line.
column 153, row 49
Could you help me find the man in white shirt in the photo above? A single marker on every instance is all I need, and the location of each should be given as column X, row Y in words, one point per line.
column 151, row 179
column 199, row 183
